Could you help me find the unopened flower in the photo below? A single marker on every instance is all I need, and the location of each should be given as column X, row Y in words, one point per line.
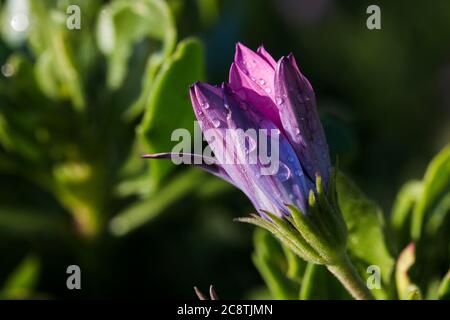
column 298, row 202
column 263, row 94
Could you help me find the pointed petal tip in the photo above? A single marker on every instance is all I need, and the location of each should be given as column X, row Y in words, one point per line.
column 155, row 155
column 282, row 63
column 240, row 46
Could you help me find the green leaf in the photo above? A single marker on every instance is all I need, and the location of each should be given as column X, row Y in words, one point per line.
column 444, row 287
column 271, row 263
column 22, row 282
column 122, row 24
column 403, row 208
column 48, row 39
column 169, row 107
column 366, row 237
column 438, row 215
column 319, row 284
column 296, row 266
column 435, row 182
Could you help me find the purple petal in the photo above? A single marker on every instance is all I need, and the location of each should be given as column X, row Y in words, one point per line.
column 264, row 54
column 243, row 87
column 207, row 164
column 256, row 68
column 211, row 111
column 297, row 106
column 208, row 105
column 254, row 72
column 288, row 184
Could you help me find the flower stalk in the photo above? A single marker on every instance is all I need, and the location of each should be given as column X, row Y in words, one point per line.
column 346, row 273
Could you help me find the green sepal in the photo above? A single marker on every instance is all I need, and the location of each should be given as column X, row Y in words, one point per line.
column 287, row 234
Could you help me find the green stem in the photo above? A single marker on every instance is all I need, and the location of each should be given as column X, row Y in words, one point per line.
column 350, row 279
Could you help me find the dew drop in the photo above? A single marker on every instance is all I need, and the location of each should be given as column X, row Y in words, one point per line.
column 262, row 82
column 284, row 173
column 268, row 90
column 291, row 159
column 205, row 105
column 216, row 123
column 298, row 173
column 297, row 131
column 279, row 100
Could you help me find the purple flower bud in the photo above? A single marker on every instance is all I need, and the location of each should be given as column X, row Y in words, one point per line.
column 264, row 94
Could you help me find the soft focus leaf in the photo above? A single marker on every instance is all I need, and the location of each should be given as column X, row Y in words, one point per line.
column 403, row 208
column 319, row 284
column 122, row 24
column 22, row 282
column 444, row 288
column 435, row 182
column 48, row 38
column 366, row 237
column 438, row 215
column 170, row 97
column 270, row 261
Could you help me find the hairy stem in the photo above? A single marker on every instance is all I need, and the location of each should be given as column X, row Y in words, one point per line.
column 350, row 279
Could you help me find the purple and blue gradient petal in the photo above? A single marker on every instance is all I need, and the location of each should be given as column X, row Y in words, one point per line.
column 263, row 94
column 297, row 104
column 288, row 185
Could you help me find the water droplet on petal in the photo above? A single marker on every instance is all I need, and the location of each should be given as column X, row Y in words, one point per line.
column 297, row 131
column 291, row 159
column 262, row 82
column 298, row 173
column 268, row 90
column 279, row 100
column 206, row 105
column 284, row 173
column 216, row 123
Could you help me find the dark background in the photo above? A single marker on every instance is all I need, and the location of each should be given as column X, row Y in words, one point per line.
column 384, row 98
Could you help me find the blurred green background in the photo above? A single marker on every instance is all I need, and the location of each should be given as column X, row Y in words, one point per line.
column 78, row 108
